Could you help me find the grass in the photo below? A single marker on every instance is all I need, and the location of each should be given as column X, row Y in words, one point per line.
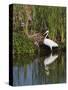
column 21, row 44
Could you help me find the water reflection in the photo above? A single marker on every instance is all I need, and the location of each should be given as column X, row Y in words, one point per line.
column 34, row 70
column 49, row 60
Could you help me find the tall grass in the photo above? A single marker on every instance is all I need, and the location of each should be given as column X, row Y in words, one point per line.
column 43, row 17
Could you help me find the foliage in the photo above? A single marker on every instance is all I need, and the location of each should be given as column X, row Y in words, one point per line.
column 53, row 18
column 42, row 18
column 21, row 44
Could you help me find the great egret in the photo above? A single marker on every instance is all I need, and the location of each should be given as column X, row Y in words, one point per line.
column 49, row 42
column 49, row 60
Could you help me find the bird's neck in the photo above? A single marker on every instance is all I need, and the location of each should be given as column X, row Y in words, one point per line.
column 46, row 35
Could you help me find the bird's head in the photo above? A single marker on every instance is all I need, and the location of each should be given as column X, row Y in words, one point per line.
column 47, row 32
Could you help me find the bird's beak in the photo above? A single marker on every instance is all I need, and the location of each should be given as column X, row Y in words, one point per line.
column 44, row 33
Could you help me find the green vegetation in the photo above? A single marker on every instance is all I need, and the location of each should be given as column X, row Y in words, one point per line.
column 22, row 59
column 37, row 19
column 53, row 18
column 22, row 44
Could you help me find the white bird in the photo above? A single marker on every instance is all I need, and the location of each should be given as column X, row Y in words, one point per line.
column 49, row 60
column 49, row 42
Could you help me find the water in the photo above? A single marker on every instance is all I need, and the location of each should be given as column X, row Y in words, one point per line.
column 37, row 70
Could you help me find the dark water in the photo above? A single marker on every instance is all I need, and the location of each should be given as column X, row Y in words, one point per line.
column 36, row 70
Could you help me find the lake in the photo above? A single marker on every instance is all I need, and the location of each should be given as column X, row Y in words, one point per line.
column 37, row 70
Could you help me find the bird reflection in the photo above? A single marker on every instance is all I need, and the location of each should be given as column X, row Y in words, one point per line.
column 49, row 60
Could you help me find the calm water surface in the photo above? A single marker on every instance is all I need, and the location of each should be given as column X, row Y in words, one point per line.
column 36, row 70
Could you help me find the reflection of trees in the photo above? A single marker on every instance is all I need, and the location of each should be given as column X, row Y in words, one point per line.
column 22, row 59
column 22, row 65
column 56, row 71
column 29, row 71
column 38, row 76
